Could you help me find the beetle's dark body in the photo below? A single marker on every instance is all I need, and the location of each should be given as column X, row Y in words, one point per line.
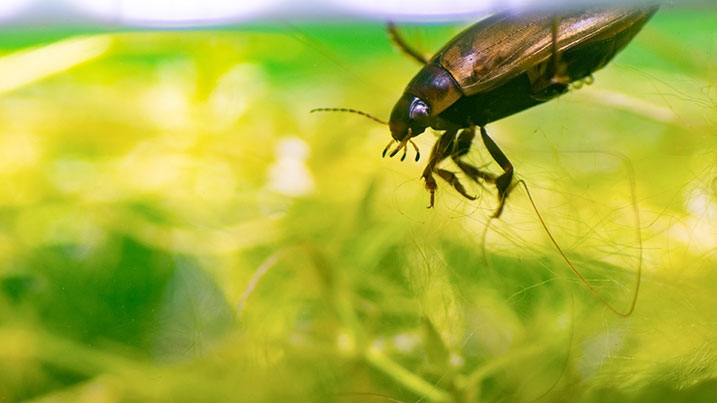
column 500, row 66
column 492, row 61
column 516, row 94
column 483, row 108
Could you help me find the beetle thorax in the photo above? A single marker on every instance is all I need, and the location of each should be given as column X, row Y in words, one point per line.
column 436, row 87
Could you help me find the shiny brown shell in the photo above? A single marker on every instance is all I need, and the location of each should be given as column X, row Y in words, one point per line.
column 501, row 47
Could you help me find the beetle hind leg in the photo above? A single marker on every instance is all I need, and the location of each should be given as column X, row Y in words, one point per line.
column 403, row 45
column 550, row 79
column 502, row 182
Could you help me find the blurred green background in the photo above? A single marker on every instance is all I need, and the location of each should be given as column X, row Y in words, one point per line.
column 177, row 227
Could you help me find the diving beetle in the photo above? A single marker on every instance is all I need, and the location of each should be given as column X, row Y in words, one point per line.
column 499, row 66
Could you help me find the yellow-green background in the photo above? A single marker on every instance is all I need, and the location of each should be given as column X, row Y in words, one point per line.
column 157, row 245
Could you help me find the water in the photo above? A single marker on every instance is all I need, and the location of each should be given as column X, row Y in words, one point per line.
column 176, row 226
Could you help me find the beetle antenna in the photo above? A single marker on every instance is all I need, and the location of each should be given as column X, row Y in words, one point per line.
column 401, row 144
column 374, row 118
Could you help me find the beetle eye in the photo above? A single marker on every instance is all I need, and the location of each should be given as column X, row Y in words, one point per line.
column 419, row 111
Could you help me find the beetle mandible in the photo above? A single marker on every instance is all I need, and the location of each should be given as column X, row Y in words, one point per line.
column 502, row 65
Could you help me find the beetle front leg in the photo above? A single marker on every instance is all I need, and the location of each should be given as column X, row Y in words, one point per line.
column 502, row 183
column 438, row 154
column 441, row 150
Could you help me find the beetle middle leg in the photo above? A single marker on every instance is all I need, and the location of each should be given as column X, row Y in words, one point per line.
column 456, row 147
column 503, row 182
column 462, row 146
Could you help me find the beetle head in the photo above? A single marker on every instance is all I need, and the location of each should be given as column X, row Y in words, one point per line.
column 409, row 118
